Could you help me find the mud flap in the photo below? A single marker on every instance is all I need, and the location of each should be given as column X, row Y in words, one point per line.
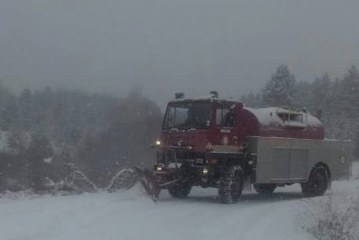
column 149, row 182
column 247, row 184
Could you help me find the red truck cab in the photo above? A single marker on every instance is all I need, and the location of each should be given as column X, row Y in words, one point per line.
column 200, row 124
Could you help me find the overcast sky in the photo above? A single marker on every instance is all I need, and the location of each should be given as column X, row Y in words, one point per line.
column 194, row 46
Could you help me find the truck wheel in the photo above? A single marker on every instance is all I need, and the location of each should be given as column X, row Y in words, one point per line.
column 231, row 185
column 264, row 188
column 317, row 184
column 180, row 190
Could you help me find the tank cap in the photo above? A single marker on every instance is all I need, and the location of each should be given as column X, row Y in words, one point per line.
column 214, row 94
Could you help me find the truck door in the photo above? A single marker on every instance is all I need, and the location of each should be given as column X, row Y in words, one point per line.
column 226, row 122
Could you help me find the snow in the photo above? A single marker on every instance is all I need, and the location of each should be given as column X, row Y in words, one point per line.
column 48, row 160
column 266, row 116
column 3, row 141
column 132, row 215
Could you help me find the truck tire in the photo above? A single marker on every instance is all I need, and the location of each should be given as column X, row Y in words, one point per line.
column 180, row 190
column 317, row 183
column 264, row 188
column 231, row 184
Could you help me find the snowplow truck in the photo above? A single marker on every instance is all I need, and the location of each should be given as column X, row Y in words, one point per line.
column 213, row 142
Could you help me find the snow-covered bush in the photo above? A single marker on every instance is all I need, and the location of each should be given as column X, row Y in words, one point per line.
column 25, row 194
column 123, row 180
column 332, row 218
column 77, row 181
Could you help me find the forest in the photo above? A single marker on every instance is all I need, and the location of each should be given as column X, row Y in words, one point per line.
column 48, row 134
column 45, row 132
column 335, row 101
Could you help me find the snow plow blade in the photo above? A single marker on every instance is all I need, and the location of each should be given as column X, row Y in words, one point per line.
column 149, row 182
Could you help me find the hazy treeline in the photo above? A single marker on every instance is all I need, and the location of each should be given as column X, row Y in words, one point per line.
column 43, row 131
column 336, row 100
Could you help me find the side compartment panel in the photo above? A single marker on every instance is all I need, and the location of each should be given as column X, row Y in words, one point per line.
column 298, row 164
column 288, row 160
column 280, row 163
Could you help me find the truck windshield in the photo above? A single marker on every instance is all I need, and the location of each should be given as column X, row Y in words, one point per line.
column 186, row 115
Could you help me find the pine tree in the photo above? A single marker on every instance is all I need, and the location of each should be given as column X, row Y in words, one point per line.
column 319, row 97
column 26, row 110
column 320, row 91
column 356, row 145
column 40, row 149
column 280, row 90
column 10, row 116
column 343, row 106
column 350, row 92
column 252, row 100
column 302, row 95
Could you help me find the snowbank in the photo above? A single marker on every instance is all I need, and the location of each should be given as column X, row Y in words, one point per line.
column 132, row 215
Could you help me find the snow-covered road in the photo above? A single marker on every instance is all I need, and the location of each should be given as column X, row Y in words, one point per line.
column 131, row 215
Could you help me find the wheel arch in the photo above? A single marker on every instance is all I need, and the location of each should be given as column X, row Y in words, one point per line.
column 228, row 160
column 321, row 165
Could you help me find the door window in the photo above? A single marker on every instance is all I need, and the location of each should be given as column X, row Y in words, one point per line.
column 225, row 115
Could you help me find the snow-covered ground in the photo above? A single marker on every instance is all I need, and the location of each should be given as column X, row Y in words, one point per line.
column 131, row 215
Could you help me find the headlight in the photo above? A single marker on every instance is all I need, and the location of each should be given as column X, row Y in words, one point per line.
column 158, row 143
column 205, row 171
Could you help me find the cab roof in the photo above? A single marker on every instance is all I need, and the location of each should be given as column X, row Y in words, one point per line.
column 203, row 99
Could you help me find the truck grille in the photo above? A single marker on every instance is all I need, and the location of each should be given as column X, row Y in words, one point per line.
column 184, row 157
